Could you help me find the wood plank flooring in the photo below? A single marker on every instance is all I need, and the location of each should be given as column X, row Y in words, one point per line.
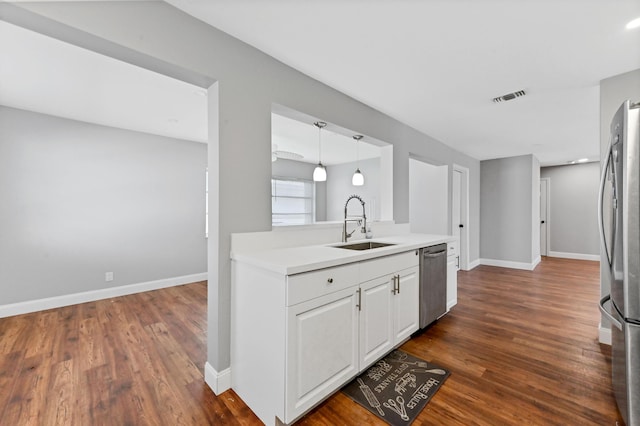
column 522, row 348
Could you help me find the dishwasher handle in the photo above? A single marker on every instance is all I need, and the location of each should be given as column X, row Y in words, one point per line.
column 436, row 254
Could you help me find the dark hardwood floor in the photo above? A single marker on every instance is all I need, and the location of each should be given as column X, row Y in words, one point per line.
column 522, row 348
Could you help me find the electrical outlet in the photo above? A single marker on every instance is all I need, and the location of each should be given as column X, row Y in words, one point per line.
column 108, row 276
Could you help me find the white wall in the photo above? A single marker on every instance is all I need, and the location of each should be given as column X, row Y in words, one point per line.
column 248, row 83
column 428, row 195
column 79, row 200
column 573, row 218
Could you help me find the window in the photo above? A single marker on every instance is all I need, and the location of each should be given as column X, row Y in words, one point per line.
column 292, row 201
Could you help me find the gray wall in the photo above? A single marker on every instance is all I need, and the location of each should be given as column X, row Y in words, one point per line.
column 301, row 170
column 339, row 188
column 573, row 216
column 79, row 200
column 613, row 91
column 507, row 209
column 248, row 82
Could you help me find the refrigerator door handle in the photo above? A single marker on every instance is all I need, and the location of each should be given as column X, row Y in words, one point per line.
column 607, row 314
column 603, row 181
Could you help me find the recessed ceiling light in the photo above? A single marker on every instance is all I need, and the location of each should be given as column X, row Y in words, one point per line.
column 583, row 160
column 633, row 24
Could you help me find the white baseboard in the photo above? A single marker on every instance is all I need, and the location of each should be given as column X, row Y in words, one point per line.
column 510, row 264
column 578, row 256
column 473, row 264
column 218, row 382
column 91, row 296
column 604, row 335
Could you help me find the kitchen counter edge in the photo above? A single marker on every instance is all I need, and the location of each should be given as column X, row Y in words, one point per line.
column 297, row 260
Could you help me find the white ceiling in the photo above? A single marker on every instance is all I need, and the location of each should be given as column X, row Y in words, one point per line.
column 42, row 74
column 436, row 65
column 303, row 138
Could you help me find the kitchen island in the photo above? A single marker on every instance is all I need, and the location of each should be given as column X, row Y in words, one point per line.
column 306, row 320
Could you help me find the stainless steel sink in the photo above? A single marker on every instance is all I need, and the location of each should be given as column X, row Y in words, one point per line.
column 367, row 245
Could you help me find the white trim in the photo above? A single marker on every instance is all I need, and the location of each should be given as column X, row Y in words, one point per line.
column 463, row 249
column 578, row 256
column 218, row 382
column 91, row 296
column 510, row 264
column 604, row 335
column 474, row 264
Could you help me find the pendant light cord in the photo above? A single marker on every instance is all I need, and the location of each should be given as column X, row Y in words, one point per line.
column 320, row 125
column 357, row 138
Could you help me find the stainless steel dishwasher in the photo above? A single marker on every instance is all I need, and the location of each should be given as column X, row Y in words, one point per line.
column 433, row 283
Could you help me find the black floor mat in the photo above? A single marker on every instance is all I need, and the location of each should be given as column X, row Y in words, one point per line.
column 397, row 387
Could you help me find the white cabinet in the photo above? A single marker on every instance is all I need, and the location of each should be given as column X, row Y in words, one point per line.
column 376, row 319
column 389, row 309
column 296, row 339
column 406, row 307
column 322, row 351
column 389, row 315
column 453, row 264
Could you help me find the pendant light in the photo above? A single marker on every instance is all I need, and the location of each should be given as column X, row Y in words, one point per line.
column 320, row 172
column 358, row 177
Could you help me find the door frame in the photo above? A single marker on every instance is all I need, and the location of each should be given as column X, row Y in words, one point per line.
column 547, row 215
column 463, row 247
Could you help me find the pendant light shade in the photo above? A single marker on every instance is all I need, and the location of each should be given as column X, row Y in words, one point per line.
column 358, row 177
column 320, row 172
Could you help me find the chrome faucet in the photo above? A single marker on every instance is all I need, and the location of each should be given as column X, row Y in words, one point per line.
column 345, row 235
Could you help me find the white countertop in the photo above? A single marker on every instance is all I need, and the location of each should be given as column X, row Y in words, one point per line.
column 295, row 260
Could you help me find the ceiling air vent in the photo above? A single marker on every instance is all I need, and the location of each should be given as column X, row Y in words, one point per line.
column 509, row 96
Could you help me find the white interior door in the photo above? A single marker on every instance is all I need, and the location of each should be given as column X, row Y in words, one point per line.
column 460, row 213
column 544, row 197
column 455, row 205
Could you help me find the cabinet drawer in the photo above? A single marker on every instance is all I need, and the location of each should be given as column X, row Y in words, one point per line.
column 381, row 266
column 309, row 285
column 452, row 248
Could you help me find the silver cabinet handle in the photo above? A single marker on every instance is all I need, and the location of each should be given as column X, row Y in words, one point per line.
column 359, row 305
column 607, row 314
column 396, row 284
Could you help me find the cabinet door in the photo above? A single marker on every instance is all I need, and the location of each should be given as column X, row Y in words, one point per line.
column 376, row 332
column 452, row 282
column 322, row 349
column 407, row 315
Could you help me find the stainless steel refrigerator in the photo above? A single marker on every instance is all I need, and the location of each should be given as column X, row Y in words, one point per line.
column 619, row 217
